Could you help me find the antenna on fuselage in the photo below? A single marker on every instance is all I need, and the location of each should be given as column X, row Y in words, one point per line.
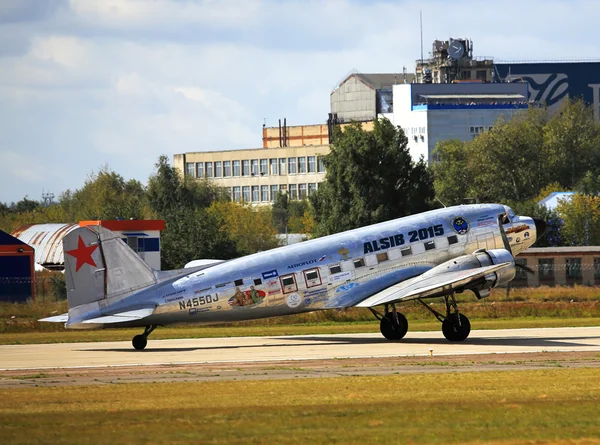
column 438, row 199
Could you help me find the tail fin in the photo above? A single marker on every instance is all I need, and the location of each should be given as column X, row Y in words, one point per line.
column 100, row 266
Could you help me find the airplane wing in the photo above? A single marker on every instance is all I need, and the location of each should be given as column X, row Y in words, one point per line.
column 62, row 318
column 419, row 287
column 120, row 317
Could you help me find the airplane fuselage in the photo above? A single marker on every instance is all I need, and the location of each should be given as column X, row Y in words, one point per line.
column 331, row 272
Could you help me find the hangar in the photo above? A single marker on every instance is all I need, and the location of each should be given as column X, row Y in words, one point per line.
column 143, row 236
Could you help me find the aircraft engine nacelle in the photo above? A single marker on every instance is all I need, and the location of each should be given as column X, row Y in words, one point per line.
column 481, row 258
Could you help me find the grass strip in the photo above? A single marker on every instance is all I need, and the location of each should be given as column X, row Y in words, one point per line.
column 538, row 406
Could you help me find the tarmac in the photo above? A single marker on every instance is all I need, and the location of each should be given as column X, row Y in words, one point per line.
column 246, row 350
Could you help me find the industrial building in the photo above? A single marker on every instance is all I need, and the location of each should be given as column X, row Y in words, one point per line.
column 143, row 236
column 452, row 95
column 16, row 270
column 551, row 83
column 258, row 175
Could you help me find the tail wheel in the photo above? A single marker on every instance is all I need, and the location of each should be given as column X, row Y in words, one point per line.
column 455, row 331
column 392, row 329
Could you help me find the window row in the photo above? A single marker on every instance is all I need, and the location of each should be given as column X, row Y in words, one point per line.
column 256, row 167
column 477, row 129
column 268, row 193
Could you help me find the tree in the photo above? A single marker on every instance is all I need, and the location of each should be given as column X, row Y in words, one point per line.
column 452, row 176
column 371, row 177
column 573, row 137
column 250, row 229
column 106, row 195
column 520, row 157
column 581, row 216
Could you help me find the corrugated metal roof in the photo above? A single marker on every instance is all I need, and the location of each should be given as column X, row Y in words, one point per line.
column 383, row 80
column 46, row 239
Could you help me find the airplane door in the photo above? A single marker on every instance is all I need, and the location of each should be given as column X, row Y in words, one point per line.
column 486, row 241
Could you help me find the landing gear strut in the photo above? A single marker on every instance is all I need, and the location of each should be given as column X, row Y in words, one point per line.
column 393, row 325
column 455, row 326
column 139, row 342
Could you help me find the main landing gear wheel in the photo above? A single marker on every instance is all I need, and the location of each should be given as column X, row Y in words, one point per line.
column 139, row 342
column 393, row 327
column 456, row 327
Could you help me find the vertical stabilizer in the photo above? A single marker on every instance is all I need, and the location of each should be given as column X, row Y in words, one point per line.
column 100, row 266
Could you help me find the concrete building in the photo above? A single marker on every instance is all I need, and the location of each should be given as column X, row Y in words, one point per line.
column 430, row 113
column 257, row 175
column 559, row 266
column 362, row 97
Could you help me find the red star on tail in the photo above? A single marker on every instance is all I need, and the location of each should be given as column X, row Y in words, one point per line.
column 83, row 254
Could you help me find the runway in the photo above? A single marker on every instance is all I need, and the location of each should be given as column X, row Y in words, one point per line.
column 289, row 348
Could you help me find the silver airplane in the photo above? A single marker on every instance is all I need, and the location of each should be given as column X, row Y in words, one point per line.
column 429, row 255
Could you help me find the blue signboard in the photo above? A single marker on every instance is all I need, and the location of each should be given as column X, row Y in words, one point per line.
column 552, row 82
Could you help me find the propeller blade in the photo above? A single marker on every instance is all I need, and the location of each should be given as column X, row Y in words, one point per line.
column 527, row 269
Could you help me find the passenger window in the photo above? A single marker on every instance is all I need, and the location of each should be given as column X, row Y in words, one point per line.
column 257, row 281
column 312, row 277
column 381, row 257
column 429, row 245
column 239, row 282
column 452, row 239
column 359, row 263
column 288, row 284
column 336, row 268
column 406, row 251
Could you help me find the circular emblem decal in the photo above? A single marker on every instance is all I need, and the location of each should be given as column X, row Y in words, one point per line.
column 460, row 225
column 293, row 300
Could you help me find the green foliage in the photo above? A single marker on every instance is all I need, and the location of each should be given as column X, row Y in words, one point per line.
column 106, row 195
column 371, row 177
column 452, row 177
column 519, row 158
column 250, row 229
column 581, row 215
column 58, row 286
column 192, row 232
column 291, row 216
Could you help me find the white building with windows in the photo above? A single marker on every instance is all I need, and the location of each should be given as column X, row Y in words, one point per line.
column 258, row 175
column 430, row 113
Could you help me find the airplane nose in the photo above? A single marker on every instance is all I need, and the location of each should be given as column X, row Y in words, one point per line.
column 540, row 227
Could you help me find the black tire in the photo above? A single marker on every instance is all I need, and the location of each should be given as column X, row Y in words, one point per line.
column 139, row 342
column 455, row 332
column 390, row 330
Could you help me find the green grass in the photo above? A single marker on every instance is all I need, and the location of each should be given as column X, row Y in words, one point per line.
column 542, row 406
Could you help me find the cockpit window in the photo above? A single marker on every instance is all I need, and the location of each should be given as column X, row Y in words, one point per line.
column 508, row 215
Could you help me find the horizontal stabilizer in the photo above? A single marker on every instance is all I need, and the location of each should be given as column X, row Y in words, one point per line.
column 63, row 318
column 424, row 287
column 122, row 317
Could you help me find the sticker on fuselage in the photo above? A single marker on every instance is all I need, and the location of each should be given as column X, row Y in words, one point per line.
column 293, row 300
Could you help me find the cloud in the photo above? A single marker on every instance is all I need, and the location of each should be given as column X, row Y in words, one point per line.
column 88, row 83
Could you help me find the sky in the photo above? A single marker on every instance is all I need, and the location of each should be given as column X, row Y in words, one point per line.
column 91, row 83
